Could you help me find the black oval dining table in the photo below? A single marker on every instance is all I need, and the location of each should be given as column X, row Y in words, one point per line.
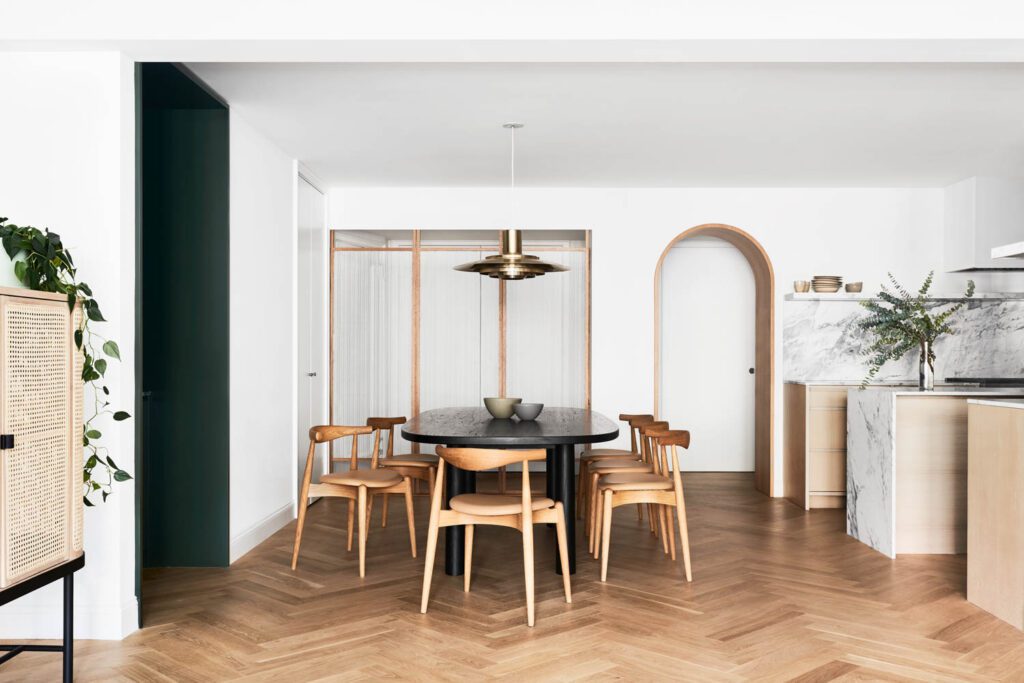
column 557, row 430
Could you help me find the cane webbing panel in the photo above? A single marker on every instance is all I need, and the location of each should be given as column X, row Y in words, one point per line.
column 77, row 409
column 36, row 369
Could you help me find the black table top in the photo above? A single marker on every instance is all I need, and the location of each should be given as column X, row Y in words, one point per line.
column 476, row 427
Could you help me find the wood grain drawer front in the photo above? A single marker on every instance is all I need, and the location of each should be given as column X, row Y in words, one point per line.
column 827, row 430
column 827, row 471
column 828, row 398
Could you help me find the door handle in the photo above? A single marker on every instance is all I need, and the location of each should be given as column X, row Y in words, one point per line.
column 751, row 371
column 311, row 374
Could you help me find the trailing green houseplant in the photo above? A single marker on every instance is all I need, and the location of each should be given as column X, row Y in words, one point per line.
column 902, row 321
column 44, row 264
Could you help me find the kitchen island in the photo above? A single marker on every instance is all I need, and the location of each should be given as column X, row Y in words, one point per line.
column 906, row 467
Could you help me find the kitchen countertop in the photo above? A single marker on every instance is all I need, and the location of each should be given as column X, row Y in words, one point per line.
column 846, row 383
column 1000, row 402
column 951, row 391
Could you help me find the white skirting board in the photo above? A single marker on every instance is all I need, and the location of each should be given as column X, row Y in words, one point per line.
column 252, row 537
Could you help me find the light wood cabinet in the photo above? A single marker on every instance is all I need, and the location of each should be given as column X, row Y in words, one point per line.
column 814, row 441
column 40, row 434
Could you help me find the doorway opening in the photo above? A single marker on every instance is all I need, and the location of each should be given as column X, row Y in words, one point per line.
column 701, row 364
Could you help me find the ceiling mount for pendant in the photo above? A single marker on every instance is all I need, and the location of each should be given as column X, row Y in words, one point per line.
column 510, row 263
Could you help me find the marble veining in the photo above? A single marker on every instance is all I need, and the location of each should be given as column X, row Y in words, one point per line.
column 870, row 468
column 475, row 426
column 821, row 339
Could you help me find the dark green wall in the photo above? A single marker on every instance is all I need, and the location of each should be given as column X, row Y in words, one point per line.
column 184, row 310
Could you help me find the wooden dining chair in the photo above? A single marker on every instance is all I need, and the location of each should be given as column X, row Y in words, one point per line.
column 356, row 485
column 626, row 465
column 663, row 488
column 416, row 466
column 602, row 454
column 516, row 511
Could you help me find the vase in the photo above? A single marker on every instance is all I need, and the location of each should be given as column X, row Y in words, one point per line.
column 926, row 373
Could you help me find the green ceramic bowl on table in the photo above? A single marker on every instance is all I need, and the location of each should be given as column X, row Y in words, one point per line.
column 501, row 408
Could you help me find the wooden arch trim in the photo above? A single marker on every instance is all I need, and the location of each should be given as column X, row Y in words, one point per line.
column 764, row 341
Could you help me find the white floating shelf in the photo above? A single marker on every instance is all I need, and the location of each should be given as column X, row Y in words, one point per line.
column 844, row 296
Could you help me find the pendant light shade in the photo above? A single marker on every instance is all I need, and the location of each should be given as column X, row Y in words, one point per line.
column 511, row 263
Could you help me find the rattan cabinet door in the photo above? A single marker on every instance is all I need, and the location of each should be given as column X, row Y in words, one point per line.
column 36, row 406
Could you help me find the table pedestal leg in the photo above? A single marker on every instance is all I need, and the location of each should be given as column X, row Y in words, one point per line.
column 565, row 492
column 456, row 482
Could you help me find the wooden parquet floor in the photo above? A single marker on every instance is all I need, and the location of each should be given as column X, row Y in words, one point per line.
column 778, row 595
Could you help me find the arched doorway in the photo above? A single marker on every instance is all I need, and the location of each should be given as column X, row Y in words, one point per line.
column 764, row 340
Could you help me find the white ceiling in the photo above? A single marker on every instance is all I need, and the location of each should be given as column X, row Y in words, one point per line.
column 636, row 125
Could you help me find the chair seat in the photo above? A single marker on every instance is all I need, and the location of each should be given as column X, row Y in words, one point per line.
column 490, row 504
column 410, row 460
column 625, row 464
column 635, row 482
column 374, row 479
column 604, row 453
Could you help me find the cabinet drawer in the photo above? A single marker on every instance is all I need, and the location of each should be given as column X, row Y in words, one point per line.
column 827, row 471
column 828, row 397
column 827, row 429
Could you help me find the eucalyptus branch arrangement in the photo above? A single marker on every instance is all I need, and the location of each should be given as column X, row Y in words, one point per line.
column 42, row 263
column 902, row 321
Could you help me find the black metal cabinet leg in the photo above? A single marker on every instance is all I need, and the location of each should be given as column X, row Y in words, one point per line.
column 565, row 493
column 456, row 482
column 69, row 628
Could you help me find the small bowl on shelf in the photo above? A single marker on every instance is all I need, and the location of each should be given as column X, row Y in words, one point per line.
column 527, row 411
column 501, row 408
column 854, row 287
column 801, row 286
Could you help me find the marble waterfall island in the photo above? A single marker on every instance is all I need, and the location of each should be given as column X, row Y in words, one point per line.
column 906, row 468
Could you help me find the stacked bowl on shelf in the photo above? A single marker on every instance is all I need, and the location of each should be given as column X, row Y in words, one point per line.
column 826, row 284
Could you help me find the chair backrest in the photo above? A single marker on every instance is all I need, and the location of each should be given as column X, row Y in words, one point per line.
column 665, row 439
column 386, row 424
column 327, row 433
column 646, row 444
column 634, row 422
column 477, row 459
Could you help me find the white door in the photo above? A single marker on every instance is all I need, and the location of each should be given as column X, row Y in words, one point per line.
column 707, row 352
column 312, row 312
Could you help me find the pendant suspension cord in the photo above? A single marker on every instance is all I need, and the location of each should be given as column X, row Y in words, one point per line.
column 512, row 182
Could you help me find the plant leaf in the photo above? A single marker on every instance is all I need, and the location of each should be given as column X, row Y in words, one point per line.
column 110, row 348
column 121, row 475
column 100, row 365
column 93, row 434
column 121, row 415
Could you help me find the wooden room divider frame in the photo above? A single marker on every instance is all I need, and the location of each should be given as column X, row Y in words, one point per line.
column 764, row 342
column 416, row 250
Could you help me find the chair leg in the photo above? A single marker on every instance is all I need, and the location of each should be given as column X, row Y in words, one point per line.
column 303, row 504
column 502, row 480
column 650, row 520
column 428, row 568
column 598, row 520
column 640, row 512
column 684, row 534
column 661, row 528
column 351, row 521
column 384, row 513
column 468, row 567
column 363, row 506
column 563, row 550
column 670, row 529
column 528, row 571
column 606, row 534
column 409, row 516
column 581, row 480
column 594, row 503
column 431, row 473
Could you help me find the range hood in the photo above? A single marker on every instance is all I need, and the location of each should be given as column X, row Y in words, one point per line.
column 1009, row 251
column 982, row 213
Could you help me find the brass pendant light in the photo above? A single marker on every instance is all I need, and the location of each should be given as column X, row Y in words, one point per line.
column 510, row 263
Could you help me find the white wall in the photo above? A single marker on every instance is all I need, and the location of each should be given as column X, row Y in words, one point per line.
column 262, row 330
column 68, row 163
column 859, row 233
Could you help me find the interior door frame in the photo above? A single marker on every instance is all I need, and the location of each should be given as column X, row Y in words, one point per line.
column 764, row 341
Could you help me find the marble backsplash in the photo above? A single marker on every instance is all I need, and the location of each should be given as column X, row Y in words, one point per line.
column 821, row 341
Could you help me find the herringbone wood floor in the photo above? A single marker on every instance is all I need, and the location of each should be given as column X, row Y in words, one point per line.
column 778, row 594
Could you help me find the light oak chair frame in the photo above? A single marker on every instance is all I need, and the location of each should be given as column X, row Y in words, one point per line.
column 359, row 495
column 418, row 468
column 593, row 455
column 666, row 500
column 476, row 460
column 625, row 466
